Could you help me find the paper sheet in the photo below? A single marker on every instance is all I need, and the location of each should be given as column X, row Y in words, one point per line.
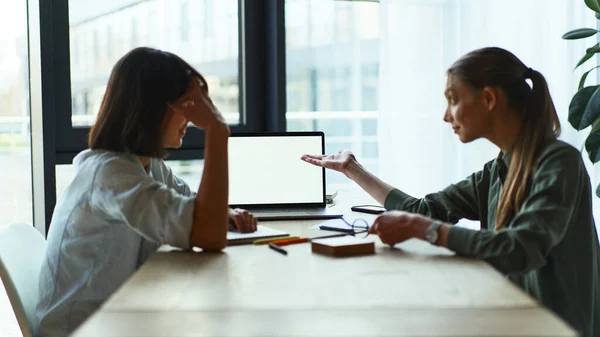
column 261, row 231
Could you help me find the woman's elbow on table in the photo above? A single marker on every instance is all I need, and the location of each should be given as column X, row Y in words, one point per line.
column 208, row 241
column 209, row 232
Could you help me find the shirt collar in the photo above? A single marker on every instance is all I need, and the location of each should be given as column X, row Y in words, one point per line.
column 506, row 157
column 503, row 163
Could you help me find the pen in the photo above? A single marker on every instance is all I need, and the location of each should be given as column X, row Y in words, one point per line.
column 291, row 242
column 269, row 240
column 283, row 241
column 328, row 236
column 277, row 248
column 335, row 229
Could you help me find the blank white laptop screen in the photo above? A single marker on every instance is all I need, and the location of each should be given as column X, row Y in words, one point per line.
column 267, row 170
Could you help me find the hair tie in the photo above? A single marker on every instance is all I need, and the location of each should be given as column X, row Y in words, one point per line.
column 528, row 73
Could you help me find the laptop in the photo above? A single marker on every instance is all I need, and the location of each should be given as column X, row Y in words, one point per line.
column 267, row 177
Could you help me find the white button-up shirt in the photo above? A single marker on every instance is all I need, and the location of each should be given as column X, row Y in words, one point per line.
column 110, row 218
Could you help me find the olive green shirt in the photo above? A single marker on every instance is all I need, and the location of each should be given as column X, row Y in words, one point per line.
column 549, row 249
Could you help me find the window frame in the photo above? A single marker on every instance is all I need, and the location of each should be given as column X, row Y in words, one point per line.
column 261, row 76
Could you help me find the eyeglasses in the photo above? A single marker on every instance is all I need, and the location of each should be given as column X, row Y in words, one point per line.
column 358, row 226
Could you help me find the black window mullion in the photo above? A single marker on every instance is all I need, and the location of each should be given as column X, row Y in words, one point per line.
column 68, row 139
column 254, row 63
column 264, row 54
column 53, row 16
column 275, row 70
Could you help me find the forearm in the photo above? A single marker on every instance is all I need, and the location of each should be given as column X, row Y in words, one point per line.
column 503, row 250
column 210, row 213
column 378, row 189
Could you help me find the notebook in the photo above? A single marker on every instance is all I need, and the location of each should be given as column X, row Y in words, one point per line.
column 262, row 232
column 343, row 246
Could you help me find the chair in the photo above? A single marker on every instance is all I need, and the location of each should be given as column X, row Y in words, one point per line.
column 21, row 253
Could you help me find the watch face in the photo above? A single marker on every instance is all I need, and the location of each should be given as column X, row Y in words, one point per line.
column 432, row 236
column 432, row 233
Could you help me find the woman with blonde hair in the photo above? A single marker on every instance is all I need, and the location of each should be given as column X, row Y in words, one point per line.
column 534, row 201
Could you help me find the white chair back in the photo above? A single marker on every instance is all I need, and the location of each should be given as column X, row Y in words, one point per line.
column 22, row 250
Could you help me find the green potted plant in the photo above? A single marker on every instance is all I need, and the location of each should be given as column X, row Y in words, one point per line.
column 584, row 109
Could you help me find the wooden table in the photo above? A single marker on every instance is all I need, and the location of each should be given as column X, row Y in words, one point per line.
column 414, row 289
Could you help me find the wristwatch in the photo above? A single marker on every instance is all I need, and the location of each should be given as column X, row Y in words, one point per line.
column 432, row 233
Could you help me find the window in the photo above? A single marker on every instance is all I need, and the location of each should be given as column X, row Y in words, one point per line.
column 15, row 140
column 101, row 32
column 185, row 25
column 134, row 33
column 156, row 23
column 108, row 47
column 208, row 11
column 332, row 65
column 188, row 170
column 16, row 198
column 411, row 132
column 371, row 76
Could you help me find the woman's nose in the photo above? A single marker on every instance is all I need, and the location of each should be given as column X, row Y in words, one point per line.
column 447, row 116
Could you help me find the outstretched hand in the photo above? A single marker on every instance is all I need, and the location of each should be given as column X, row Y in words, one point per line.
column 337, row 162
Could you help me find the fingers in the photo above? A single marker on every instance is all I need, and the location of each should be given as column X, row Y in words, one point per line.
column 244, row 221
column 313, row 156
column 250, row 221
column 381, row 227
column 188, row 103
column 182, row 105
column 233, row 219
column 386, row 236
column 201, row 81
column 374, row 229
column 319, row 160
column 316, row 162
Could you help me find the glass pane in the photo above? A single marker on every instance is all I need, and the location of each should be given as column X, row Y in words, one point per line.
column 189, row 171
column 202, row 32
column 15, row 145
column 332, row 62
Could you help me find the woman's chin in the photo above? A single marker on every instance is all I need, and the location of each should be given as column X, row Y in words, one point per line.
column 174, row 145
column 465, row 138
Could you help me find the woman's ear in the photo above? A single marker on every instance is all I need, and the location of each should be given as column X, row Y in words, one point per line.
column 490, row 97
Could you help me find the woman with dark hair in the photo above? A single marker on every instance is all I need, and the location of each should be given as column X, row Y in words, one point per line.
column 123, row 201
column 534, row 201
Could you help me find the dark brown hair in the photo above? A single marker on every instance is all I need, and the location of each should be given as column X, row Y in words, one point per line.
column 496, row 67
column 133, row 109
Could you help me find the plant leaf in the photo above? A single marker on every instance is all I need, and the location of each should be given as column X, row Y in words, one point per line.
column 585, row 57
column 588, row 54
column 593, row 50
column 579, row 33
column 584, row 77
column 592, row 111
column 593, row 5
column 592, row 143
column 578, row 105
column 597, row 16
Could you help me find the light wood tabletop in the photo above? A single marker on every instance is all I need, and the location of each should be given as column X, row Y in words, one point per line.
column 413, row 289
